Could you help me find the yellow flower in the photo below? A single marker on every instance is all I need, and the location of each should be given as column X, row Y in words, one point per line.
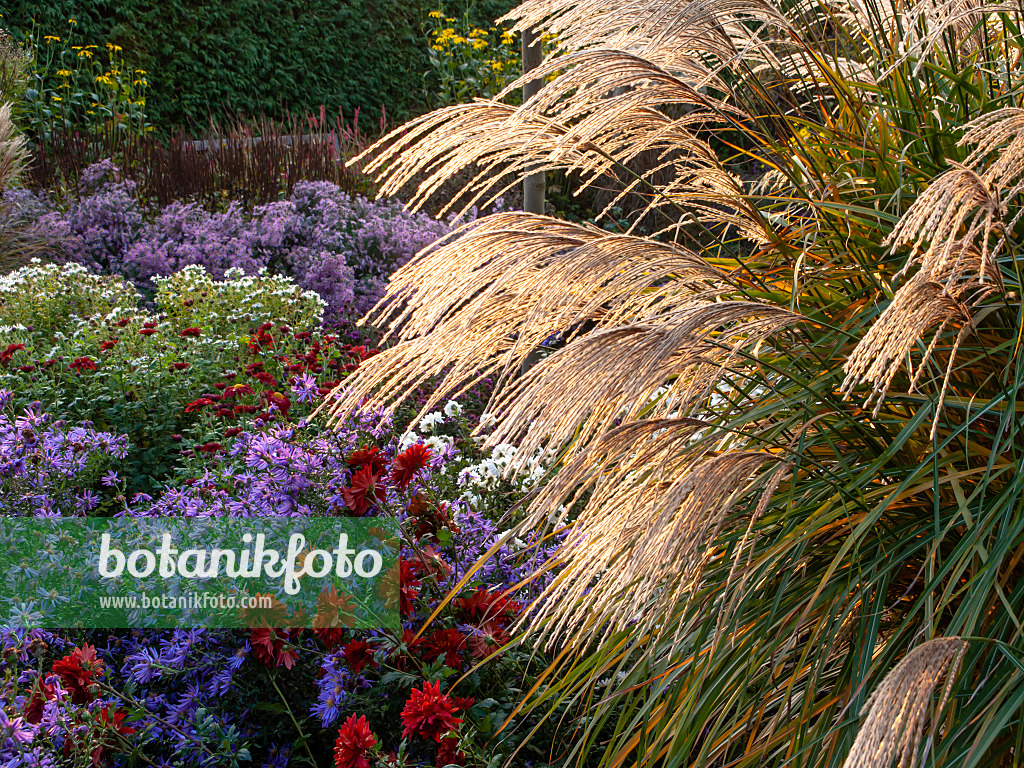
column 507, row 37
column 449, row 20
column 436, row 15
column 105, row 80
column 437, row 47
column 57, row 98
column 479, row 45
column 140, row 72
column 72, row 22
column 112, row 47
column 63, row 73
column 496, row 66
column 459, row 40
column 52, row 39
column 85, row 54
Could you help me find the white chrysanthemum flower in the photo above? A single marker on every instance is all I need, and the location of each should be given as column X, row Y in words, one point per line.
column 437, row 443
column 431, row 420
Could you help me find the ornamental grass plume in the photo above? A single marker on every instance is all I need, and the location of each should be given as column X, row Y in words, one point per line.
column 785, row 421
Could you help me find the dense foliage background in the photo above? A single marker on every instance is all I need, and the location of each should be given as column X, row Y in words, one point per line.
column 248, row 57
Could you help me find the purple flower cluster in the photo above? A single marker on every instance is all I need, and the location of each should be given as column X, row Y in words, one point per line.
column 276, row 471
column 99, row 228
column 47, row 468
column 340, row 246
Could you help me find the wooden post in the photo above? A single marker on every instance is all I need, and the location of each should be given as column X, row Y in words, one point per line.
column 534, row 185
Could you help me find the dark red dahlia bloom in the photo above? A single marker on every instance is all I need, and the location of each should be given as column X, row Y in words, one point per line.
column 179, row 366
column 83, row 364
column 36, row 700
column 463, row 703
column 355, row 740
column 448, row 753
column 369, row 457
column 429, row 713
column 483, row 606
column 7, row 353
column 108, row 345
column 358, row 655
column 190, row 333
column 79, row 671
column 408, row 463
column 408, row 587
column 268, row 645
column 447, row 642
column 429, row 516
column 147, row 331
column 363, row 490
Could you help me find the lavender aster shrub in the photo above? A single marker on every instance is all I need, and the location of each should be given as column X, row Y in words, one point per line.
column 341, row 246
column 97, row 229
column 47, row 467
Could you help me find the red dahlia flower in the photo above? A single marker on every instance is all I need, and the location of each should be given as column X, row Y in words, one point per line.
column 408, row 587
column 362, row 491
column 368, row 457
column 179, row 366
column 79, row 671
column 83, row 364
column 268, row 647
column 448, row 753
column 190, row 333
column 358, row 655
column 195, row 405
column 448, row 642
column 147, row 331
column 429, row 713
column 408, row 463
column 354, row 741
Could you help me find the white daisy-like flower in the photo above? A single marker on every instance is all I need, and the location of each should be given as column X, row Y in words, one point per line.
column 431, row 420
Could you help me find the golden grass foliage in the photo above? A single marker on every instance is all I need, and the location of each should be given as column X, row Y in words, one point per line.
column 786, row 421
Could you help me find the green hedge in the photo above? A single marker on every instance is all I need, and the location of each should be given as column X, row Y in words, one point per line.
column 221, row 58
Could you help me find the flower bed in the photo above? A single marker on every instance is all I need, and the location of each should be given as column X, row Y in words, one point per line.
column 200, row 406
